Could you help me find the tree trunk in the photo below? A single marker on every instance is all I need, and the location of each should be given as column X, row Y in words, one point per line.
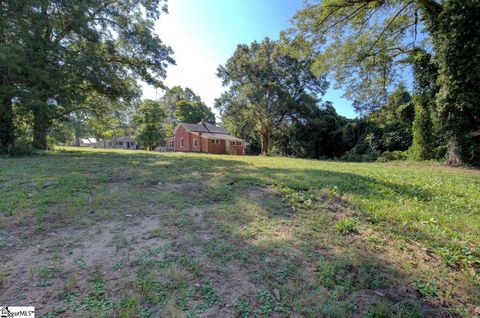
column 41, row 123
column 266, row 142
column 453, row 155
column 7, row 136
column 77, row 139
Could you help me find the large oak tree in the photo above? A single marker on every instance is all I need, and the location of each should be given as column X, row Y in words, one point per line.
column 71, row 48
column 268, row 86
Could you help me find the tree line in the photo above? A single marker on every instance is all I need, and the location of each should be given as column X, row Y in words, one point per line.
column 364, row 46
column 274, row 101
column 73, row 67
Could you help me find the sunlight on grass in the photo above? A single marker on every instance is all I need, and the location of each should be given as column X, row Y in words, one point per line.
column 308, row 237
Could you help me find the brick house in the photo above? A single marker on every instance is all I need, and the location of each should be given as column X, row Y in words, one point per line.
column 205, row 137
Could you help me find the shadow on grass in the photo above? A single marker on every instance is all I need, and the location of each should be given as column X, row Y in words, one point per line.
column 313, row 272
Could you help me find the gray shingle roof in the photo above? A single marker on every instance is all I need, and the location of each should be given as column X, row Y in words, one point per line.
column 207, row 128
column 124, row 138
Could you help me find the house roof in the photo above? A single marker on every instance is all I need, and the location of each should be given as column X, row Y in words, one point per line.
column 208, row 131
column 204, row 128
column 220, row 136
column 88, row 140
column 122, row 139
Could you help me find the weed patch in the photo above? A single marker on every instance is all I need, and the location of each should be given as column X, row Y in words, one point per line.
column 346, row 226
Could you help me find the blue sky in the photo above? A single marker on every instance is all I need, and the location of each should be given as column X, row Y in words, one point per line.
column 205, row 33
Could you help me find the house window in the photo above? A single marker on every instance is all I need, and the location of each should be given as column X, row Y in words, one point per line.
column 120, row 143
column 194, row 142
column 239, row 143
column 171, row 143
column 215, row 141
column 232, row 143
column 181, row 142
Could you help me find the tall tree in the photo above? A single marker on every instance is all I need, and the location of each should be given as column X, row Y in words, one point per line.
column 456, row 37
column 364, row 43
column 75, row 47
column 236, row 119
column 176, row 94
column 171, row 98
column 12, row 58
column 193, row 112
column 77, row 122
column 425, row 73
column 150, row 117
column 270, row 85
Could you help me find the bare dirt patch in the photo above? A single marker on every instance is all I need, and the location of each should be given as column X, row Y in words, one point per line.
column 258, row 193
column 186, row 186
column 37, row 272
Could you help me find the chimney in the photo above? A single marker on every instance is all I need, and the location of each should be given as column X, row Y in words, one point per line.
column 202, row 121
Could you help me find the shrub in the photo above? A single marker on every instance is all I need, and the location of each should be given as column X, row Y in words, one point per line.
column 392, row 156
column 20, row 149
column 354, row 157
column 426, row 289
column 440, row 152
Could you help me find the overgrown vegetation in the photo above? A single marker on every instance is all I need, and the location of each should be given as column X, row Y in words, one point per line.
column 366, row 46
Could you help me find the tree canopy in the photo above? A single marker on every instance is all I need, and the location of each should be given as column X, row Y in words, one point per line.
column 149, row 118
column 268, row 87
column 193, row 112
column 68, row 49
column 365, row 44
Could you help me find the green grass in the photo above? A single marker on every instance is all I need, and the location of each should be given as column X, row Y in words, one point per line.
column 246, row 236
column 346, row 226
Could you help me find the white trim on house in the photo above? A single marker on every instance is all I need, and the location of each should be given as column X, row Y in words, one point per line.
column 118, row 143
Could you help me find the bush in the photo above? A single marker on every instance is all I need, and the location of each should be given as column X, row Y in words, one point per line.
column 392, row 156
column 440, row 152
column 20, row 149
column 355, row 157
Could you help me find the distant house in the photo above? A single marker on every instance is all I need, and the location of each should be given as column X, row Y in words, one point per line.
column 84, row 142
column 118, row 143
column 205, row 137
column 88, row 142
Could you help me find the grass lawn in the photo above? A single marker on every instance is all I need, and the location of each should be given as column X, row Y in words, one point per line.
column 102, row 233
